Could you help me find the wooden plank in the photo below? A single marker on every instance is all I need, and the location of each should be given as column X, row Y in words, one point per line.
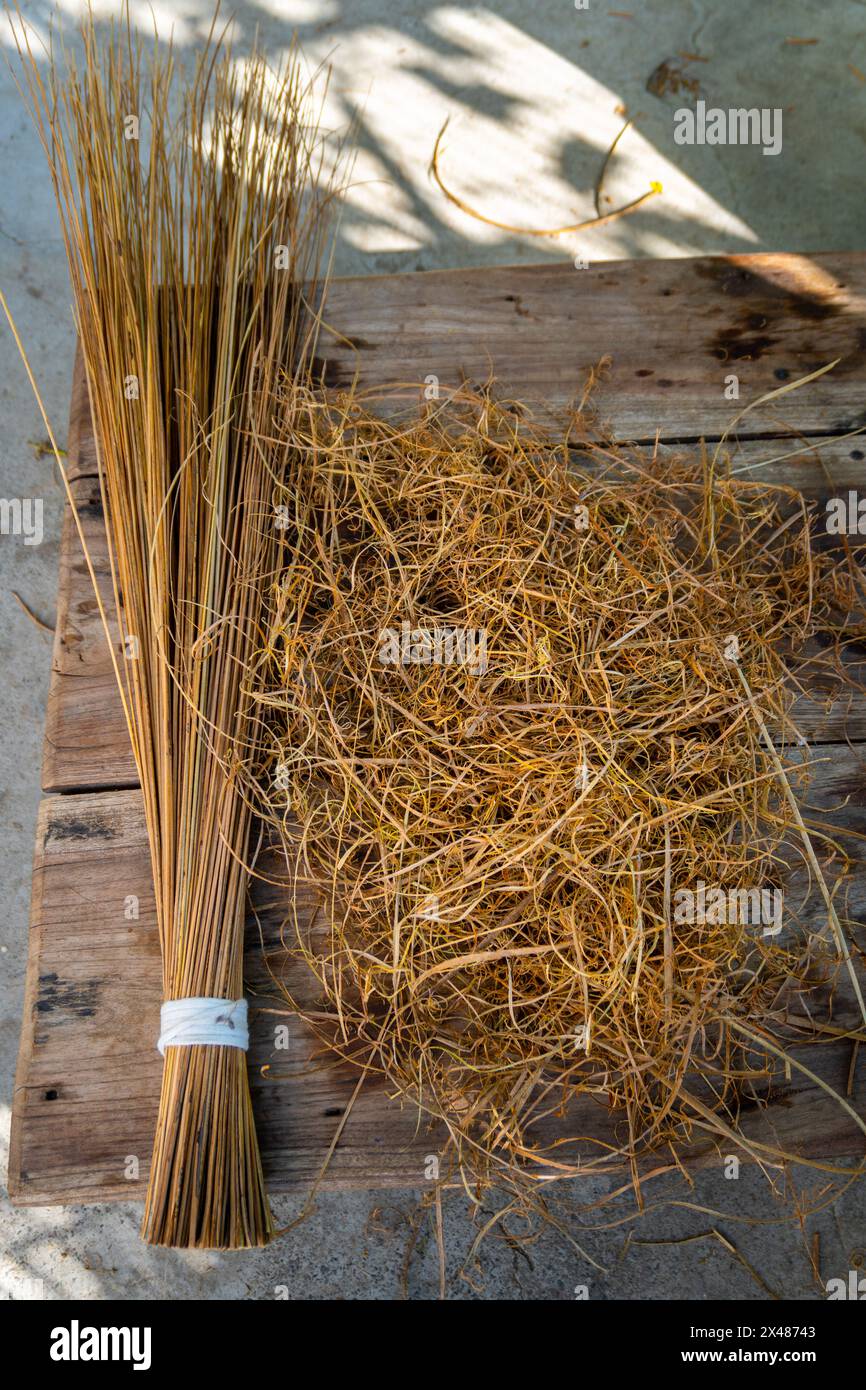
column 88, row 1078
column 542, row 327
column 89, row 1074
column 86, row 740
column 81, row 459
column 673, row 328
column 86, row 743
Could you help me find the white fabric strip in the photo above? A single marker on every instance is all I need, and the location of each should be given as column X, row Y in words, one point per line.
column 203, row 1022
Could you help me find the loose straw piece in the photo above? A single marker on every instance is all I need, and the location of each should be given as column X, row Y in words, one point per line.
column 34, row 617
column 597, row 221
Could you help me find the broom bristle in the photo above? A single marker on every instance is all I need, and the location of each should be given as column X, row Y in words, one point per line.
column 193, row 215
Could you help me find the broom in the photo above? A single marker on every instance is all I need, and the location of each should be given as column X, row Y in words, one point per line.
column 192, row 213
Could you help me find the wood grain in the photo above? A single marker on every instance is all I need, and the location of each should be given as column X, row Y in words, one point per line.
column 674, row 330
column 88, row 1072
column 86, row 742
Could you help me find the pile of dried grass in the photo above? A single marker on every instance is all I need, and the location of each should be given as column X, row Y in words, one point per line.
column 501, row 838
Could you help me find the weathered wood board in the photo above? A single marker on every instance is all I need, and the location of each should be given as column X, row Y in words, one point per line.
column 674, row 330
column 86, row 743
column 88, row 1076
column 89, row 1082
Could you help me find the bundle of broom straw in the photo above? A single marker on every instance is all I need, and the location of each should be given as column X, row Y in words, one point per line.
column 193, row 213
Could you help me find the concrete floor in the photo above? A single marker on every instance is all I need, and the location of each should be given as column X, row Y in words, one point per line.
column 535, row 95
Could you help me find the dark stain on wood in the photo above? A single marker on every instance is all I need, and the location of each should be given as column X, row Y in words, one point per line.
column 747, row 339
column 78, row 828
column 739, row 342
column 92, row 509
column 329, row 372
column 75, row 998
column 518, row 305
column 728, row 278
column 362, row 344
column 739, row 283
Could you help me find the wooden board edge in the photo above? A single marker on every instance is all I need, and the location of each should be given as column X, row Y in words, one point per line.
column 79, row 411
column 16, row 1180
column 364, row 1180
column 779, row 261
column 51, row 773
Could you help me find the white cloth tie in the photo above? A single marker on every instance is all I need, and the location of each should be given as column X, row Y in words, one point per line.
column 203, row 1022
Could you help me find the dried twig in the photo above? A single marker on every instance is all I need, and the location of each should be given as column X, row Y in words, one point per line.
column 599, row 221
column 34, row 617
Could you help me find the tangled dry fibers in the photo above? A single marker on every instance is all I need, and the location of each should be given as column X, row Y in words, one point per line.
column 500, row 836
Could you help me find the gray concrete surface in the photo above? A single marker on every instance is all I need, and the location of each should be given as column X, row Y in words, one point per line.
column 535, row 95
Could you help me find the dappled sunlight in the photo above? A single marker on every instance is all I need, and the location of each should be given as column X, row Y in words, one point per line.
column 533, row 103
column 806, row 277
column 531, row 160
column 534, row 97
